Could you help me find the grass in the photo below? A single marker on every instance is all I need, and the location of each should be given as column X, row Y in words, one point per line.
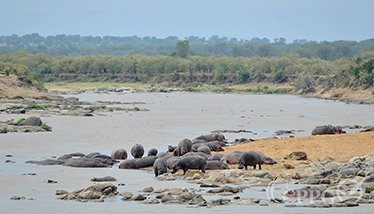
column 20, row 120
column 46, row 127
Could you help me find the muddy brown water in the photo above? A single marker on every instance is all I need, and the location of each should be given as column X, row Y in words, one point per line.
column 172, row 117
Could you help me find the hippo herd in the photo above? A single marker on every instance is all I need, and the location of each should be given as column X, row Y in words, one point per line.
column 188, row 154
column 193, row 154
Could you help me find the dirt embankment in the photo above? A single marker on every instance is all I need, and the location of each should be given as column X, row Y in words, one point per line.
column 341, row 148
column 19, row 87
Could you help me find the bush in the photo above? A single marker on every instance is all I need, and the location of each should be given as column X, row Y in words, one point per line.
column 20, row 120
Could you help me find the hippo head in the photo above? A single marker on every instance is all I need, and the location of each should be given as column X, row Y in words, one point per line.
column 269, row 161
column 240, row 164
column 175, row 169
column 290, row 193
column 183, row 151
column 218, row 149
column 171, row 148
column 162, row 171
column 94, row 179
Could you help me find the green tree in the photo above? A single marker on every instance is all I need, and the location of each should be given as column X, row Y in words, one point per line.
column 182, row 49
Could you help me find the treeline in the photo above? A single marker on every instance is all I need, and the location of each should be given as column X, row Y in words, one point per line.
column 76, row 45
column 302, row 72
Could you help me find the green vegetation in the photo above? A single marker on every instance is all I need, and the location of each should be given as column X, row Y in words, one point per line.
column 20, row 120
column 369, row 190
column 5, row 129
column 104, row 107
column 34, row 106
column 136, row 108
column 46, row 127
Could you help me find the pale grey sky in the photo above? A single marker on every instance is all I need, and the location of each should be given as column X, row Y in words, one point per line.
column 317, row 20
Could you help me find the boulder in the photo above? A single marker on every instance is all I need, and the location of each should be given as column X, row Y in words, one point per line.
column 296, row 156
column 31, row 121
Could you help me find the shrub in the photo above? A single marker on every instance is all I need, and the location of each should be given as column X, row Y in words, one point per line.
column 46, row 127
column 20, row 120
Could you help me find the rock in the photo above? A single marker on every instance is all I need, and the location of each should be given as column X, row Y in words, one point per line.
column 167, row 198
column 61, row 192
column 348, row 173
column 96, row 191
column 150, row 201
column 288, row 166
column 369, row 179
column 138, row 197
column 209, row 185
column 197, row 176
column 277, row 200
column 219, row 201
column 296, row 156
column 259, row 174
column 312, row 181
column 296, row 176
column 15, row 198
column 31, row 121
column 148, row 189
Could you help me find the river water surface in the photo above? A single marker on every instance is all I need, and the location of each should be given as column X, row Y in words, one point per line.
column 171, row 118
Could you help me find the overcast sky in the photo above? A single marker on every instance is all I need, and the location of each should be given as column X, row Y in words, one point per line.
column 317, row 20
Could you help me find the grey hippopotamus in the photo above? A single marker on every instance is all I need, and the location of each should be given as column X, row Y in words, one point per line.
column 128, row 164
column 232, row 158
column 184, row 147
column 327, row 129
column 307, row 193
column 171, row 161
column 163, row 154
column 171, row 148
column 204, row 149
column 145, row 162
column 85, row 162
column 216, row 156
column 160, row 166
column 90, row 155
column 215, row 164
column 137, row 151
column 201, row 154
column 192, row 162
column 152, row 152
column 47, row 162
column 212, row 137
column 102, row 179
column 212, row 147
column 120, row 154
column 249, row 159
column 195, row 141
column 265, row 159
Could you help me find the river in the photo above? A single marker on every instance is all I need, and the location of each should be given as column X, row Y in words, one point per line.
column 171, row 118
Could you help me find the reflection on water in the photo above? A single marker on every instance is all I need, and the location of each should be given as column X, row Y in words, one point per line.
column 172, row 117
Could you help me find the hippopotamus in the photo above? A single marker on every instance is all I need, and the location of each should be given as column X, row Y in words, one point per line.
column 120, row 154
column 265, row 159
column 171, row 161
column 307, row 193
column 212, row 147
column 201, row 154
column 152, row 152
column 204, row 149
column 212, row 137
column 218, row 143
column 47, row 162
column 249, row 159
column 89, row 155
column 65, row 157
column 145, row 162
column 232, row 158
column 216, row 156
column 77, row 154
column 192, row 162
column 215, row 164
column 163, row 154
column 184, row 147
column 102, row 179
column 329, row 129
column 195, row 141
column 85, row 162
column 128, row 164
column 137, row 151
column 171, row 148
column 160, row 166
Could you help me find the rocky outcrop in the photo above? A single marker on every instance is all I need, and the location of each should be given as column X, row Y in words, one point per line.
column 97, row 191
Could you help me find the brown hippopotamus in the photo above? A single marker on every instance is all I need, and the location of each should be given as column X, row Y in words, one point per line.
column 184, row 147
column 137, row 151
column 152, row 152
column 102, row 179
column 215, row 164
column 120, row 154
column 308, row 193
column 232, row 158
column 192, row 162
column 249, row 159
column 327, row 129
column 265, row 159
column 212, row 137
column 160, row 166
